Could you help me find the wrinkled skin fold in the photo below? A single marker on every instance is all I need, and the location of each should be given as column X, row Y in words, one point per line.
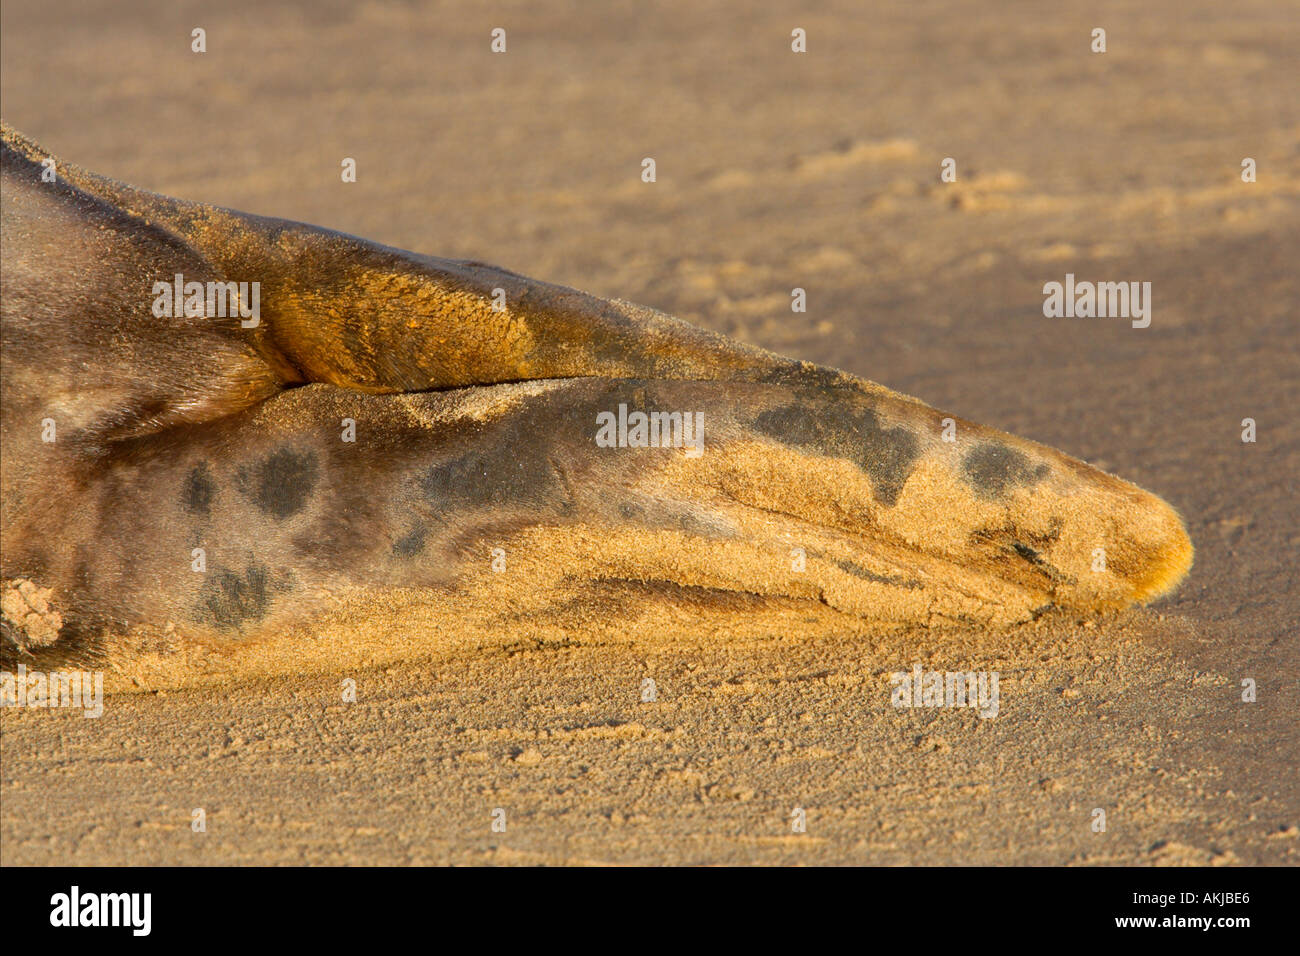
column 475, row 440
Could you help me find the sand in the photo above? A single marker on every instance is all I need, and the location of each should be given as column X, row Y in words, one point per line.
column 775, row 170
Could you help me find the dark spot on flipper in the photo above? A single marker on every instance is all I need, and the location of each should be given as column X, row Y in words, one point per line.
column 993, row 469
column 412, row 543
column 200, row 488
column 229, row 599
column 282, row 483
column 887, row 455
column 503, row 473
column 481, row 479
column 868, row 575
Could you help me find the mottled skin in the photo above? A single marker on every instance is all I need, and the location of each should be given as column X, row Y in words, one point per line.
column 474, row 430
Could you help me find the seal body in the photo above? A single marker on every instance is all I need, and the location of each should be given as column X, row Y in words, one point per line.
column 191, row 460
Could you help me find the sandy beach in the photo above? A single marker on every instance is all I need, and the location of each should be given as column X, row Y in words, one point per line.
column 775, row 170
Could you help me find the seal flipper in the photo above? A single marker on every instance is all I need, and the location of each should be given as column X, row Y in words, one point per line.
column 354, row 313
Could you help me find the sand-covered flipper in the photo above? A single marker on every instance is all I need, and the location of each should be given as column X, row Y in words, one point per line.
column 335, row 308
column 462, row 436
